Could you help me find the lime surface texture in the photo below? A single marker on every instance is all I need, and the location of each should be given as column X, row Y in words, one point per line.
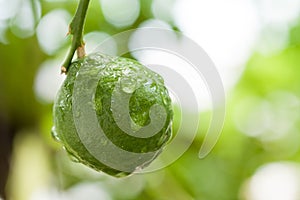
column 131, row 114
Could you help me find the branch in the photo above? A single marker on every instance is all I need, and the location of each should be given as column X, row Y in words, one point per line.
column 76, row 29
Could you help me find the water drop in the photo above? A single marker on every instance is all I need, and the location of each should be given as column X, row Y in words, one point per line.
column 138, row 169
column 55, row 134
column 128, row 85
column 73, row 158
column 121, row 174
column 165, row 100
column 162, row 140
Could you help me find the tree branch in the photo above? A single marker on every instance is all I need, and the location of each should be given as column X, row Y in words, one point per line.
column 76, row 30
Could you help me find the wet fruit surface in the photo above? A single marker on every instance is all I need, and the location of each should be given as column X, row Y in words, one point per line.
column 112, row 114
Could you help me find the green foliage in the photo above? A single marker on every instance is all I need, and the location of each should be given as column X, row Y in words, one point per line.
column 268, row 89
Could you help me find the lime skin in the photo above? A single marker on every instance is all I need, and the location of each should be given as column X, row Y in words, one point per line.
column 143, row 88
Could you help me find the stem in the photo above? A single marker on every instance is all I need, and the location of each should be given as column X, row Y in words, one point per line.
column 76, row 29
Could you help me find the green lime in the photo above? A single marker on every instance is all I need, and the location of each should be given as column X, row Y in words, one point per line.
column 112, row 114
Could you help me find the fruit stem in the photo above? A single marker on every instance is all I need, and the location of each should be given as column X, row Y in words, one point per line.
column 76, row 30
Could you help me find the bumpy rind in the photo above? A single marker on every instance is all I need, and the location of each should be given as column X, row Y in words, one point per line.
column 150, row 91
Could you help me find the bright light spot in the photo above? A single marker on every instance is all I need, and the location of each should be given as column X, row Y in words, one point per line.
column 137, row 38
column 273, row 39
column 155, row 23
column 226, row 30
column 268, row 119
column 48, row 81
column 157, row 59
column 275, row 181
column 163, row 9
column 277, row 17
column 120, row 13
column 285, row 114
column 8, row 8
column 279, row 12
column 52, row 30
column 23, row 25
column 252, row 116
column 127, row 188
column 94, row 39
column 46, row 194
column 90, row 191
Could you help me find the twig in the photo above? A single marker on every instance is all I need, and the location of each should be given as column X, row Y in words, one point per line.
column 76, row 30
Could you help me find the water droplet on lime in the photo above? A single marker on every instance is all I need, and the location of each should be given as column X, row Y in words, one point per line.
column 55, row 134
column 128, row 85
column 73, row 158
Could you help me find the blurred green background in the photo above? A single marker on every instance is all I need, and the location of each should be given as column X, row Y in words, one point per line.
column 256, row 47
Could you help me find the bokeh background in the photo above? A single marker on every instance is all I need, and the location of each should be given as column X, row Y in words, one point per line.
column 256, row 48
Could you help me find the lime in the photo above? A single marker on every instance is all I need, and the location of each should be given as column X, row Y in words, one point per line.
column 112, row 114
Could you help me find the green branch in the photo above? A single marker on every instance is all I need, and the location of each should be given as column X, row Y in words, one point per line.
column 76, row 30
